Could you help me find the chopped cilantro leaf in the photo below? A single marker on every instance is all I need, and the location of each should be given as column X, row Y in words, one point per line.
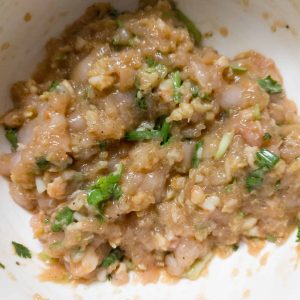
column 114, row 255
column 53, row 86
column 2, row 266
column 266, row 160
column 42, row 163
column 267, row 136
column 255, row 179
column 11, row 136
column 64, row 217
column 21, row 250
column 270, row 85
column 106, row 187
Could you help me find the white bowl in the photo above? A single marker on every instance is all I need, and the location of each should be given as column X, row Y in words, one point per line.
column 274, row 274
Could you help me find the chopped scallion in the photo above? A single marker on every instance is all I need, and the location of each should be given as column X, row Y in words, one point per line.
column 237, row 69
column 265, row 158
column 176, row 80
column 270, row 85
column 224, row 144
column 137, row 135
column 114, row 255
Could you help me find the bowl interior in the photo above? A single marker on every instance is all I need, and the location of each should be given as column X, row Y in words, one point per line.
column 271, row 27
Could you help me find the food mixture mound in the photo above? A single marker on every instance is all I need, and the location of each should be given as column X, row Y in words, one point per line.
column 137, row 148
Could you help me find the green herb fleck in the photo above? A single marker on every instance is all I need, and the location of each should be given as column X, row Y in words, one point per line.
column 64, row 217
column 176, row 80
column 265, row 158
column 43, row 164
column 195, row 90
column 271, row 238
column 119, row 23
column 267, row 136
column 225, row 114
column 141, row 101
column 165, row 132
column 255, row 179
column 235, row 247
column 230, row 186
column 103, row 145
column 114, row 255
column 150, row 62
column 109, row 277
column 140, row 135
column 113, row 13
column 191, row 27
column 278, row 184
column 106, row 187
column 2, row 266
column 100, row 218
column 207, row 96
column 298, row 234
column 53, row 86
column 197, row 154
column 242, row 214
column 161, row 132
column 256, row 112
column 11, row 136
column 237, row 69
column 21, row 250
column 56, row 245
column 270, row 85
